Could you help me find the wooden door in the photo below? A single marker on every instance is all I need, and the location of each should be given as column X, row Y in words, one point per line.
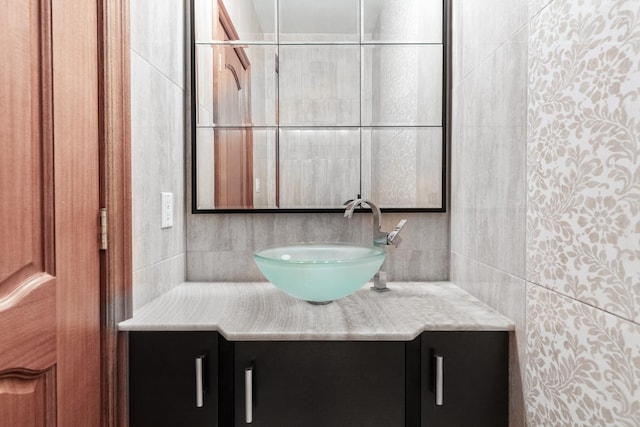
column 233, row 147
column 49, row 263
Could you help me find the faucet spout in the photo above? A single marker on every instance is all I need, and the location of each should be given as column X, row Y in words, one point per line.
column 380, row 237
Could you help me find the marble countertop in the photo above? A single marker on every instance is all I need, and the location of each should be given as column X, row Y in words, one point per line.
column 261, row 312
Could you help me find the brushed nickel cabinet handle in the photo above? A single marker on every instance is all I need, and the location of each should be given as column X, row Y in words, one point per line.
column 200, row 381
column 439, row 379
column 248, row 395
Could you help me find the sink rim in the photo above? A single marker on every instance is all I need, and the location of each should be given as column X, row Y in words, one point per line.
column 374, row 252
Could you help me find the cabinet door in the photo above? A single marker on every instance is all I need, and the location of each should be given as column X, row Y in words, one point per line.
column 474, row 373
column 166, row 371
column 321, row 384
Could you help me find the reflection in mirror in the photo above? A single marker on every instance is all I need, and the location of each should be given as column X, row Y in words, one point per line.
column 402, row 166
column 319, row 21
column 402, row 21
column 395, row 88
column 319, row 168
column 253, row 20
column 304, row 104
column 227, row 176
column 319, row 85
column 241, row 91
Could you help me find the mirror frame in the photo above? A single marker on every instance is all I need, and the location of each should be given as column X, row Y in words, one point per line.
column 446, row 132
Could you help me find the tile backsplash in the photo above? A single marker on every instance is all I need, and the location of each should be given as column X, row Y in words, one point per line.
column 220, row 246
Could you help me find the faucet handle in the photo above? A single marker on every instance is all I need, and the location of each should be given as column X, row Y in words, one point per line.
column 393, row 236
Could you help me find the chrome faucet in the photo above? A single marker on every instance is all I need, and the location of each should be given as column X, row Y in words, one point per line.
column 380, row 238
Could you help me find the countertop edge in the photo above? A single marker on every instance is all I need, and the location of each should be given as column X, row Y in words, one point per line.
column 302, row 336
column 360, row 318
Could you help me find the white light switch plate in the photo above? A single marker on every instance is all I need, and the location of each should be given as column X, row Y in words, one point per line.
column 167, row 210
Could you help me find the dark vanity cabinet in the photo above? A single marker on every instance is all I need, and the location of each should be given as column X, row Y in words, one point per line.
column 173, row 379
column 464, row 379
column 319, row 384
column 439, row 379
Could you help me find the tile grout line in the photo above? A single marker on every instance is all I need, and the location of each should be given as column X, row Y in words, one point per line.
column 158, row 70
column 574, row 299
column 547, row 288
column 490, row 266
column 156, row 263
column 492, row 53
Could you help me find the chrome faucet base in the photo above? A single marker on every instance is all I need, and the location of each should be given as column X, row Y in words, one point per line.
column 380, row 282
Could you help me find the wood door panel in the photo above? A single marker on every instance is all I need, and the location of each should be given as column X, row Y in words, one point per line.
column 25, row 164
column 50, row 349
column 27, row 289
column 30, row 316
column 76, row 136
column 29, row 397
column 27, row 285
column 49, row 283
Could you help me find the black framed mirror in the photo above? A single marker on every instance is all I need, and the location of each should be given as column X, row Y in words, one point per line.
column 300, row 105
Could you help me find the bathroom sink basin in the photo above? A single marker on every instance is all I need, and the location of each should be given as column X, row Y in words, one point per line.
column 319, row 272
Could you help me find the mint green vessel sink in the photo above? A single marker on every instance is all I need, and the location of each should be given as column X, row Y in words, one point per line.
column 319, row 272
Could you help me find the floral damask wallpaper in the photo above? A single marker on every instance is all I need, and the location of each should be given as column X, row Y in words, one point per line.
column 584, row 365
column 584, row 153
column 583, row 214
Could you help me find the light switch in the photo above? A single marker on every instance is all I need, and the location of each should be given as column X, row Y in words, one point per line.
column 167, row 210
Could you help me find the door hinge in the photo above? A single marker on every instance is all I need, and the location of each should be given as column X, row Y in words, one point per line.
column 103, row 229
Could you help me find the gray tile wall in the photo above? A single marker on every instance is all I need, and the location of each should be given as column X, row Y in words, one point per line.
column 157, row 145
column 530, row 198
column 488, row 156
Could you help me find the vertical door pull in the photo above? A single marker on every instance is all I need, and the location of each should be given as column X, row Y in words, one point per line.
column 439, row 379
column 200, row 381
column 248, row 394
